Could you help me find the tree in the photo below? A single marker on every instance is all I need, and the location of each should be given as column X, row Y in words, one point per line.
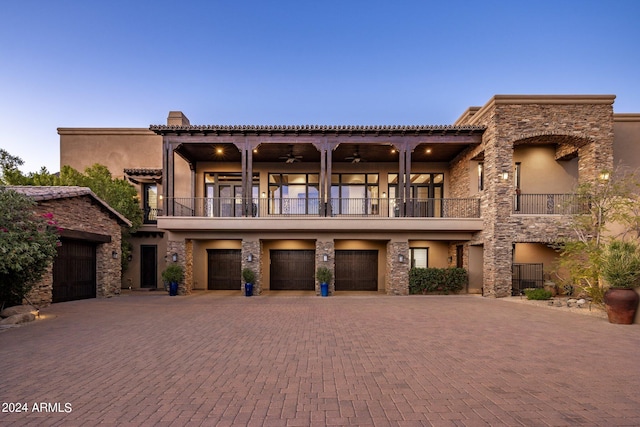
column 28, row 244
column 118, row 193
column 608, row 203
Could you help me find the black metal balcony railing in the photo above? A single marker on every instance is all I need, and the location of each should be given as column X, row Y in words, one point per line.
column 150, row 215
column 228, row 207
column 550, row 204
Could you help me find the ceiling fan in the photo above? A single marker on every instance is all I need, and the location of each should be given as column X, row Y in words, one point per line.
column 355, row 158
column 290, row 157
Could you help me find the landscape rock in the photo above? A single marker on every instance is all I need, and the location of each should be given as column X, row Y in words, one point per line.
column 18, row 318
column 17, row 309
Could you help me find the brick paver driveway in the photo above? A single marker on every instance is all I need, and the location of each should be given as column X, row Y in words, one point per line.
column 214, row 359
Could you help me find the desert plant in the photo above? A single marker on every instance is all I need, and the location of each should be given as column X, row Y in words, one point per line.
column 173, row 273
column 537, row 294
column 324, row 275
column 621, row 264
column 248, row 275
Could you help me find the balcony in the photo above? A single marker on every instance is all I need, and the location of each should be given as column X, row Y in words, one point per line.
column 232, row 207
column 549, row 204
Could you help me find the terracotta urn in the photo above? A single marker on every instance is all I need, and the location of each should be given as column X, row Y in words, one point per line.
column 621, row 305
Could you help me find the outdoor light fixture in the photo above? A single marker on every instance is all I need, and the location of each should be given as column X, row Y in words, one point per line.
column 264, row 195
column 174, row 257
column 384, row 195
column 400, row 258
column 129, row 257
column 505, row 176
column 250, row 258
column 604, row 176
column 325, row 257
column 114, row 255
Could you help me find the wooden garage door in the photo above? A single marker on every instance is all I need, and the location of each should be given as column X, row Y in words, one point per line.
column 225, row 268
column 74, row 271
column 292, row 270
column 357, row 270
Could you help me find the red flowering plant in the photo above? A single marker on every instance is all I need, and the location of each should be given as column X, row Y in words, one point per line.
column 28, row 244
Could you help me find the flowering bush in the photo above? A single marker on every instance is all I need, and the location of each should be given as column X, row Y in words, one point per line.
column 28, row 244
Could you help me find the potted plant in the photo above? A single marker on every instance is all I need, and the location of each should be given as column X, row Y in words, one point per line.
column 324, row 276
column 173, row 275
column 248, row 276
column 621, row 269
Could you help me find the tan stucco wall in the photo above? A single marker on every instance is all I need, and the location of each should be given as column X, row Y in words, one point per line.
column 131, row 276
column 438, row 251
column 540, row 173
column 116, row 149
column 626, row 140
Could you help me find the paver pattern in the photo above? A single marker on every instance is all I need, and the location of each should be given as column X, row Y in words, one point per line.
column 212, row 359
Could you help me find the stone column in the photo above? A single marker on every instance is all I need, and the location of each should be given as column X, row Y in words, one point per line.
column 497, row 210
column 397, row 274
column 251, row 249
column 179, row 247
column 326, row 248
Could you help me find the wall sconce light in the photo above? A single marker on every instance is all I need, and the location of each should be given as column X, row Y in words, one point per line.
column 450, row 260
column 505, row 176
column 325, row 257
column 384, row 195
column 130, row 257
column 401, row 258
column 250, row 258
column 174, row 257
column 114, row 255
column 264, row 195
column 604, row 176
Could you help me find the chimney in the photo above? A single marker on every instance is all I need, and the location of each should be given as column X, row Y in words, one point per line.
column 177, row 118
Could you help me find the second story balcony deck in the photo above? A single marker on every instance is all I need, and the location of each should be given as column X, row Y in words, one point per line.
column 230, row 207
column 437, row 214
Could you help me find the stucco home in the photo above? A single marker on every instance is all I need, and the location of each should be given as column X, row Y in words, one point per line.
column 487, row 193
column 88, row 263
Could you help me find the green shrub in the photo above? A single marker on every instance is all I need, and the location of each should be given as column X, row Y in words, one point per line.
column 537, row 294
column 248, row 275
column 173, row 273
column 436, row 280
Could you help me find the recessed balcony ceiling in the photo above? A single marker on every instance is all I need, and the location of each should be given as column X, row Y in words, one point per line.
column 307, row 153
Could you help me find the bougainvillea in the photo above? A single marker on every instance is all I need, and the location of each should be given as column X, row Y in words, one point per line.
column 28, row 242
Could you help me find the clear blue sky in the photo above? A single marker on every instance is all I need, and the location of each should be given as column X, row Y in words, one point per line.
column 79, row 63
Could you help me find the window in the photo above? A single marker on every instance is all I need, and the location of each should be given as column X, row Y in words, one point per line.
column 354, row 194
column 294, row 193
column 150, row 203
column 419, row 257
column 223, row 194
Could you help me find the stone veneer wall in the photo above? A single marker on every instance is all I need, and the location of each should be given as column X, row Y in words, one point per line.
column 588, row 125
column 82, row 213
column 254, row 248
column 328, row 248
column 397, row 275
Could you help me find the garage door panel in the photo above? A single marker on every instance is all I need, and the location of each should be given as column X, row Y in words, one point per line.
column 356, row 270
column 225, row 267
column 74, row 271
column 292, row 270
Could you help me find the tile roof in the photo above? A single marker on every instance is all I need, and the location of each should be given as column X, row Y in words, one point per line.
column 45, row 192
column 372, row 129
column 143, row 172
